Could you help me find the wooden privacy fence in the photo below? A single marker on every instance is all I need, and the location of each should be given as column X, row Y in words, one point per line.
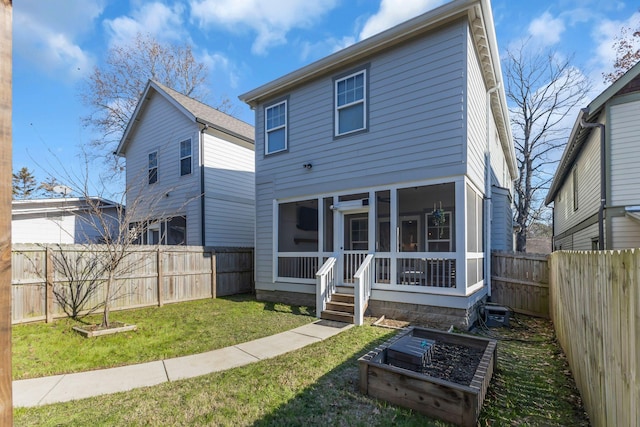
column 520, row 281
column 149, row 275
column 595, row 307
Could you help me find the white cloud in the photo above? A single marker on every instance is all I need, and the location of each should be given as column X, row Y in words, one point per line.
column 546, row 29
column 605, row 34
column 393, row 12
column 159, row 20
column 269, row 19
column 312, row 51
column 48, row 34
column 218, row 63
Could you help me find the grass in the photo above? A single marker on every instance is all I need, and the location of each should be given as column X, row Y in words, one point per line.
column 318, row 386
column 41, row 349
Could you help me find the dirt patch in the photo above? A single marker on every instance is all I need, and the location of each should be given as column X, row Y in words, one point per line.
column 455, row 363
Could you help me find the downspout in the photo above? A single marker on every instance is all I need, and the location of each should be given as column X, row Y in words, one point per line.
column 603, row 187
column 488, row 192
column 202, row 205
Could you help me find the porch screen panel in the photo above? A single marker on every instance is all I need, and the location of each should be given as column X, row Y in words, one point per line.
column 298, row 239
column 328, row 224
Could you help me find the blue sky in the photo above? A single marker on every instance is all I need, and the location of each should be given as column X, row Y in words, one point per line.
column 246, row 43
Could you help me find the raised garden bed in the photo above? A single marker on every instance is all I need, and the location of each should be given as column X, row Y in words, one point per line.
column 90, row 331
column 452, row 384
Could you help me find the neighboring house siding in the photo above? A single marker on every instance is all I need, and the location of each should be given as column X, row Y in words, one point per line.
column 624, row 132
column 588, row 170
column 229, row 193
column 55, row 228
column 425, row 78
column 625, row 233
column 583, row 239
column 477, row 118
column 161, row 127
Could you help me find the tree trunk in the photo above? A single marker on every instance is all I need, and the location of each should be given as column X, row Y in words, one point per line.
column 6, row 403
column 107, row 301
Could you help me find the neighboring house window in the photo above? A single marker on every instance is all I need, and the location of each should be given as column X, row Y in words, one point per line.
column 185, row 157
column 574, row 178
column 275, row 128
column 350, row 103
column 153, row 167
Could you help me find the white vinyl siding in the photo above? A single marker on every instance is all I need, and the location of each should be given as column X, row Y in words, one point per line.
column 624, row 131
column 351, row 103
column 276, row 128
column 229, row 193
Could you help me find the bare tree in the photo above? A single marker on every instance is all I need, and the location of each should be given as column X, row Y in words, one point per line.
column 543, row 89
column 113, row 89
column 627, row 48
column 98, row 270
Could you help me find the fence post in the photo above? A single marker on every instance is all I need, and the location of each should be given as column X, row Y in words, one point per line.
column 160, row 278
column 214, row 268
column 48, row 266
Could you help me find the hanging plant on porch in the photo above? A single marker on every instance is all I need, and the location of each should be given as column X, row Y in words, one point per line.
column 438, row 216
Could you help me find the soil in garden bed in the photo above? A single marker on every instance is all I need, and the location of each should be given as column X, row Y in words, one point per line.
column 455, row 363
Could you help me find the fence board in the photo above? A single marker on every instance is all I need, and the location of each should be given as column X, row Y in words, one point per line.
column 521, row 282
column 595, row 307
column 148, row 276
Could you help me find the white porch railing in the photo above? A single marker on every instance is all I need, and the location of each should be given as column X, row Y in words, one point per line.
column 414, row 270
column 362, row 288
column 296, row 265
column 352, row 260
column 325, row 284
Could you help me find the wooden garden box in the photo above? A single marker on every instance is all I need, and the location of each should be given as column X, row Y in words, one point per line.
column 434, row 397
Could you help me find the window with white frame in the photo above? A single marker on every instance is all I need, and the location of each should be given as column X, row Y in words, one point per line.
column 185, row 157
column 153, row 167
column 351, row 103
column 275, row 128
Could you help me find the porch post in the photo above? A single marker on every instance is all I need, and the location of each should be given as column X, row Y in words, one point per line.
column 461, row 235
column 393, row 236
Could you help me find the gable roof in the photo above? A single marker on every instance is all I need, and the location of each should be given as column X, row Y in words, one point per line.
column 193, row 109
column 580, row 134
column 477, row 12
column 61, row 204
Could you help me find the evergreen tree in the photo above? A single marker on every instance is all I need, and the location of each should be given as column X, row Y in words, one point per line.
column 24, row 184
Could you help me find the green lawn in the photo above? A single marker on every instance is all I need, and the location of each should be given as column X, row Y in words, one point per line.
column 318, row 386
column 41, row 349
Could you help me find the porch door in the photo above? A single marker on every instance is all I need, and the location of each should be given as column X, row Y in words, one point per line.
column 354, row 244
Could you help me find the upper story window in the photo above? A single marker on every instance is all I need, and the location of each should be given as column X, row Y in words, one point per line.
column 351, row 100
column 275, row 128
column 153, row 167
column 185, row 157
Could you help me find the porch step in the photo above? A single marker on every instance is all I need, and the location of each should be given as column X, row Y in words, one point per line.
column 338, row 316
column 340, row 308
column 341, row 297
column 344, row 307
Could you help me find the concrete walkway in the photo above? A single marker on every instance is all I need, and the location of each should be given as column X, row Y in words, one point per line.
column 62, row 388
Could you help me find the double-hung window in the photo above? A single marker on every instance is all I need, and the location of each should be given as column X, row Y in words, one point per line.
column 153, row 167
column 275, row 128
column 185, row 157
column 351, row 103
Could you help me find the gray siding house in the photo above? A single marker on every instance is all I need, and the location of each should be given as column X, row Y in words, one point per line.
column 190, row 172
column 596, row 202
column 378, row 169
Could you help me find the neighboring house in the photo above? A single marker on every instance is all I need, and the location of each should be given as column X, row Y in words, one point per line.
column 190, row 172
column 61, row 220
column 393, row 157
column 596, row 202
